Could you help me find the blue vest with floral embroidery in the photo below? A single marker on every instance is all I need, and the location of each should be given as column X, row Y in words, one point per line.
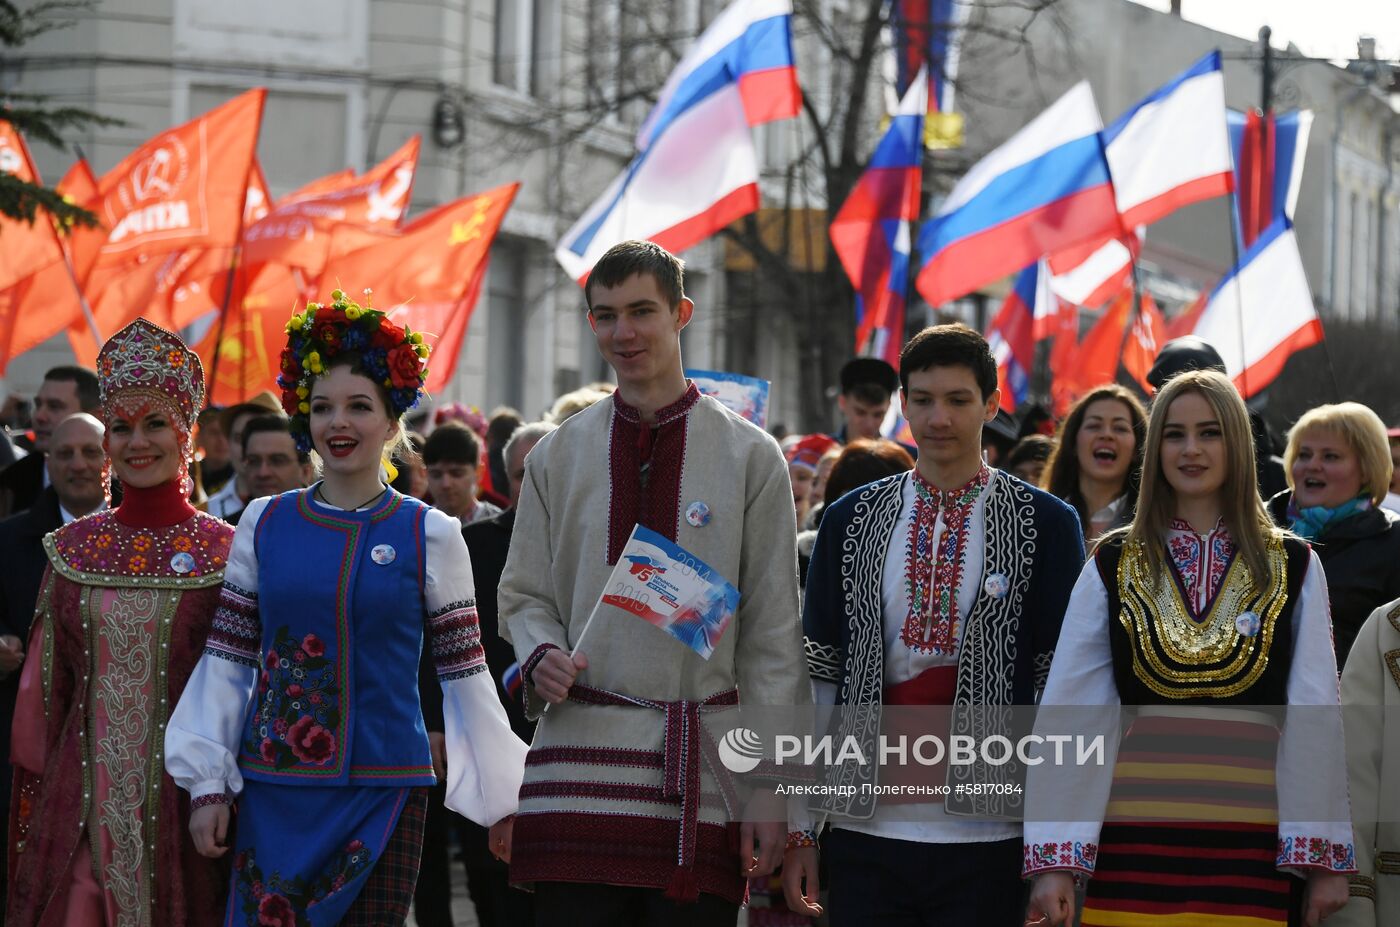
column 340, row 595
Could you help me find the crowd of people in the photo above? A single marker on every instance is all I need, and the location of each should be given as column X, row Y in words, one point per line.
column 267, row 664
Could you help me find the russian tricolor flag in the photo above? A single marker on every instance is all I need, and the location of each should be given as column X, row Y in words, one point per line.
column 870, row 234
column 1045, row 189
column 1262, row 311
column 1011, row 337
column 696, row 168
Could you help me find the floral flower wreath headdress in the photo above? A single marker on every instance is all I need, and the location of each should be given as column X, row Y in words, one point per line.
column 392, row 356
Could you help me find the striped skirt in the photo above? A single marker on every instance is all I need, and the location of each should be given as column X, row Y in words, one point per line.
column 1191, row 836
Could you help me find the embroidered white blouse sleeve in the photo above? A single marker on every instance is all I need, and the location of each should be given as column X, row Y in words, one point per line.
column 1081, row 675
column 201, row 737
column 485, row 760
column 1314, row 829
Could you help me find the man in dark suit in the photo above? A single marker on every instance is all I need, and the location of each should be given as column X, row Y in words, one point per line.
column 75, row 488
column 65, row 390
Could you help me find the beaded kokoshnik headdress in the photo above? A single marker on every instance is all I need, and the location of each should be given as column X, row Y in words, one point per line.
column 145, row 368
column 391, row 355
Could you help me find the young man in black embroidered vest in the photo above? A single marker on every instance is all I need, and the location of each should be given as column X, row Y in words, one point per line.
column 944, row 586
column 612, row 826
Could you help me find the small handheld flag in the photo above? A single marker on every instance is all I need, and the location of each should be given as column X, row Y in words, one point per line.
column 669, row 587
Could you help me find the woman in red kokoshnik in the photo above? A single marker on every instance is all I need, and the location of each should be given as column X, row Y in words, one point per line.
column 98, row 833
column 305, row 707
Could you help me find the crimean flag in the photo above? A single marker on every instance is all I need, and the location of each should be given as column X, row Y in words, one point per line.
column 1262, row 311
column 183, row 189
column 426, row 275
column 871, row 232
column 1268, row 155
column 696, row 166
column 1173, row 147
column 670, row 588
column 296, row 231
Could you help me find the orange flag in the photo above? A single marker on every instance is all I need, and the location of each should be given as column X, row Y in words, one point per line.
column 1095, row 360
column 427, row 275
column 49, row 301
column 25, row 247
column 183, row 189
column 253, row 336
column 200, row 282
column 1144, row 341
column 297, row 229
column 1063, row 349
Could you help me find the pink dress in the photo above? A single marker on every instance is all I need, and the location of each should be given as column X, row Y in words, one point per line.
column 100, row 834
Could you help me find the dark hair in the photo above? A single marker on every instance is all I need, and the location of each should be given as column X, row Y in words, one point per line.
column 1030, row 448
column 502, row 425
column 864, row 461
column 624, row 260
column 271, row 423
column 871, row 394
column 1062, row 473
column 89, row 394
column 208, row 414
column 452, row 442
column 953, row 345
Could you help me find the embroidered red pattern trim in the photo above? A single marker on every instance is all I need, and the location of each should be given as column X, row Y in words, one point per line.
column 1201, row 562
column 596, row 756
column 931, row 579
column 661, row 445
column 1047, row 857
column 456, row 640
column 622, row 849
column 236, row 631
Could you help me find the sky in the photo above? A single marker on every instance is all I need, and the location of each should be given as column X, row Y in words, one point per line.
column 1323, row 30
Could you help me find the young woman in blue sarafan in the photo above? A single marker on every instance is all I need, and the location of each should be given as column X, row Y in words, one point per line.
column 305, row 707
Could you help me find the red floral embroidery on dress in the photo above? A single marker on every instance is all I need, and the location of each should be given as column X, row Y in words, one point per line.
column 298, row 705
column 933, row 623
column 1201, row 562
column 270, row 900
column 1305, row 851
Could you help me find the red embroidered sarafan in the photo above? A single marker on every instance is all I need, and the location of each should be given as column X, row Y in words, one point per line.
column 100, row 548
column 933, row 624
column 653, row 502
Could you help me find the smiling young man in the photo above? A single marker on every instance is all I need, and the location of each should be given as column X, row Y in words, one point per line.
column 612, row 826
column 943, row 586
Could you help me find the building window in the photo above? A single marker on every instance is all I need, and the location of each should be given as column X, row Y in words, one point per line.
column 505, row 325
column 524, row 39
column 603, row 56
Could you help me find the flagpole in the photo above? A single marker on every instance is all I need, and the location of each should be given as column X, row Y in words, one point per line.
column 82, row 301
column 1133, row 315
column 228, row 293
column 73, row 274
